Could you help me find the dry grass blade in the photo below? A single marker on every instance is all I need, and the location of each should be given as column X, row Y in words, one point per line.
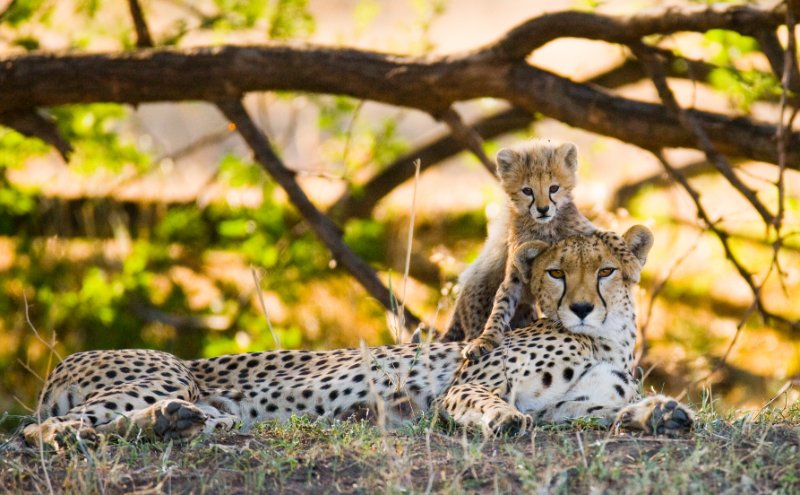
column 409, row 244
column 260, row 294
column 42, row 461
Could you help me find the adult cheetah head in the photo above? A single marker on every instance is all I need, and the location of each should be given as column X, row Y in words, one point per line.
column 538, row 177
column 585, row 281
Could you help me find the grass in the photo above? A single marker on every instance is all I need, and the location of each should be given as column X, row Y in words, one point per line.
column 723, row 455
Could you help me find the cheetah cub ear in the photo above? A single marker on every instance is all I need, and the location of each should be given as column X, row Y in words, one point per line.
column 524, row 256
column 568, row 155
column 506, row 162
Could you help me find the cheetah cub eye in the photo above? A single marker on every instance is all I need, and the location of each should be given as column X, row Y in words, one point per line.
column 554, row 188
column 527, row 191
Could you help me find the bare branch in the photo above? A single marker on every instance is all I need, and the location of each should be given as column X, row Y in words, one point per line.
column 32, row 124
column 656, row 71
column 322, row 226
column 532, row 34
column 724, row 239
column 428, row 84
column 361, row 202
column 143, row 38
column 468, row 137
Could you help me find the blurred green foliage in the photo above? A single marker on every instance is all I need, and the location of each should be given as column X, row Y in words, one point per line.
column 742, row 86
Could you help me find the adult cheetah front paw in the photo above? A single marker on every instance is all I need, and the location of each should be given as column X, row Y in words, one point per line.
column 658, row 414
column 511, row 423
column 479, row 347
column 177, row 419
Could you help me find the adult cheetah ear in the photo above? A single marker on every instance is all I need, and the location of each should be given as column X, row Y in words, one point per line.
column 568, row 153
column 630, row 250
column 506, row 161
column 524, row 256
column 639, row 240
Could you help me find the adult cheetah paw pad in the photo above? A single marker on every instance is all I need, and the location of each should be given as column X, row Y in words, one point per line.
column 660, row 415
column 478, row 348
column 177, row 419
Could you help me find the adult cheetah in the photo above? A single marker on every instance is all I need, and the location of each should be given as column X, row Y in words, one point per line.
column 548, row 371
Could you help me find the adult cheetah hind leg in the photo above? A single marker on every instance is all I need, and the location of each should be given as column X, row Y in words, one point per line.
column 168, row 419
column 472, row 404
column 657, row 414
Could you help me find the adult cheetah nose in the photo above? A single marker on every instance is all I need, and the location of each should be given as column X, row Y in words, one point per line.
column 581, row 309
column 543, row 209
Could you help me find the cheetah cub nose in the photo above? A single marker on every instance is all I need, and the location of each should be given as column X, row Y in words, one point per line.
column 582, row 309
column 543, row 210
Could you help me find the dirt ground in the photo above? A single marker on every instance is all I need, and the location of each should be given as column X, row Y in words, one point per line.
column 723, row 455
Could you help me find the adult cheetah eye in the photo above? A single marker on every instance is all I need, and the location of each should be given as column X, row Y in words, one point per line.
column 527, row 191
column 605, row 272
column 554, row 189
column 557, row 274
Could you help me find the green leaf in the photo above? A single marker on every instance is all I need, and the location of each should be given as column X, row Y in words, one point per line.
column 20, row 11
column 291, row 19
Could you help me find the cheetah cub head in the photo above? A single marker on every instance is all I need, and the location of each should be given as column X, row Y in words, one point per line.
column 538, row 177
column 586, row 281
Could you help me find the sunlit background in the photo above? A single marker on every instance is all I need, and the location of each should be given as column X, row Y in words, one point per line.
column 151, row 236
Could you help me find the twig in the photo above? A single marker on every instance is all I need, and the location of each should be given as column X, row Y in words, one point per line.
column 657, row 291
column 322, row 226
column 687, row 119
column 143, row 38
column 785, row 127
column 724, row 240
column 468, row 137
column 198, row 144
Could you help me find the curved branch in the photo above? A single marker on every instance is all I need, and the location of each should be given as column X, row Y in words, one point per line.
column 360, row 202
column 32, row 124
column 532, row 34
column 429, row 85
column 323, row 227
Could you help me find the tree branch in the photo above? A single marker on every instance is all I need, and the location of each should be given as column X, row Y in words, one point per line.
column 723, row 237
column 32, row 124
column 143, row 38
column 430, row 85
column 532, row 34
column 468, row 137
column 360, row 203
column 656, row 71
column 322, row 226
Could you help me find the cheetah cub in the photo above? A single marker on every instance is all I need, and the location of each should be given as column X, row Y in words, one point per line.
column 538, row 178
